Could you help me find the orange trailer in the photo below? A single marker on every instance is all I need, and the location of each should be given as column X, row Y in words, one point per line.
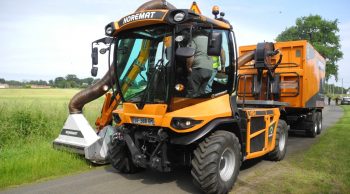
column 297, row 81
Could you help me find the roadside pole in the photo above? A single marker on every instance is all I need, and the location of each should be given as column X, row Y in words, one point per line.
column 342, row 85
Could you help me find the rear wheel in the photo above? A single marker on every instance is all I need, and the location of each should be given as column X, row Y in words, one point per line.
column 281, row 142
column 319, row 123
column 120, row 157
column 216, row 162
column 312, row 130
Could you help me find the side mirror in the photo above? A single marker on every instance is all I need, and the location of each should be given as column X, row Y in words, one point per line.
column 94, row 56
column 214, row 44
column 185, row 52
column 94, row 71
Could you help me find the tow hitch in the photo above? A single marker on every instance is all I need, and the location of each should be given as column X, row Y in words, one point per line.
column 142, row 156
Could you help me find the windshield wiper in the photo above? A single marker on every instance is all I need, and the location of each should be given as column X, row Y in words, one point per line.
column 148, row 87
column 157, row 69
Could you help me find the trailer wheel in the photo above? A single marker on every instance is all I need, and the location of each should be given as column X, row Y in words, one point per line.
column 319, row 123
column 216, row 162
column 120, row 158
column 313, row 129
column 281, row 142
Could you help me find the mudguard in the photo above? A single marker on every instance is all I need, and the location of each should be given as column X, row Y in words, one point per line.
column 192, row 137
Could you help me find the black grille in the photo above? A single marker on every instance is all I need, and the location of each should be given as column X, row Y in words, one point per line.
column 256, row 124
column 257, row 143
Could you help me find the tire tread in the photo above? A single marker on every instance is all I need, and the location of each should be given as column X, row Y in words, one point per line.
column 205, row 162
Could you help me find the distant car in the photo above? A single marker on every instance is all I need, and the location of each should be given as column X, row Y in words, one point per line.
column 345, row 100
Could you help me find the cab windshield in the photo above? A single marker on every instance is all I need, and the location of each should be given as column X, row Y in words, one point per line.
column 142, row 64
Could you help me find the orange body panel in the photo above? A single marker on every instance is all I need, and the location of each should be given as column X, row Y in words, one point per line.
column 302, row 74
column 205, row 111
column 268, row 133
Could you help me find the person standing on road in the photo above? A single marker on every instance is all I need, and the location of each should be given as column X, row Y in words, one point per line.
column 329, row 100
column 336, row 100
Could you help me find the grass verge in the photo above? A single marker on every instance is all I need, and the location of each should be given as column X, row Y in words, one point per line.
column 30, row 119
column 324, row 168
column 24, row 164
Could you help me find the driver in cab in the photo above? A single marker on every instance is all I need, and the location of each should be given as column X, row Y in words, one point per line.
column 199, row 66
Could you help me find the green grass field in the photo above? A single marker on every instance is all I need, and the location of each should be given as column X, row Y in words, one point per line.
column 30, row 119
column 324, row 168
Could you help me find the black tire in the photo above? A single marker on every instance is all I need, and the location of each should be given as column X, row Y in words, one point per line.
column 312, row 130
column 281, row 142
column 319, row 123
column 211, row 170
column 120, row 158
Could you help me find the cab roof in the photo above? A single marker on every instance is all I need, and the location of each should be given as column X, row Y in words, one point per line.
column 161, row 16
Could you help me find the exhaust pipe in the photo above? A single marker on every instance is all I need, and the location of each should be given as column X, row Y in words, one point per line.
column 77, row 135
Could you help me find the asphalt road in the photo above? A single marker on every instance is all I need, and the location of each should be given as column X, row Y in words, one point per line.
column 106, row 180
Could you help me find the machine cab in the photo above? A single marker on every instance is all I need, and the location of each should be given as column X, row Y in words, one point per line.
column 170, row 62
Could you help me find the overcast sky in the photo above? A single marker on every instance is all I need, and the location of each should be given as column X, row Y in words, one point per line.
column 43, row 39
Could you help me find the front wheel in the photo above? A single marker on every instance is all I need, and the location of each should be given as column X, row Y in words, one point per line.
column 281, row 142
column 216, row 162
column 120, row 157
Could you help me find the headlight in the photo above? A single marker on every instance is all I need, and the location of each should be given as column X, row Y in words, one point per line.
column 179, row 87
column 179, row 17
column 184, row 123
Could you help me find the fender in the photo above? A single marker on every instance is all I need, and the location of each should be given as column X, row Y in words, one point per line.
column 194, row 136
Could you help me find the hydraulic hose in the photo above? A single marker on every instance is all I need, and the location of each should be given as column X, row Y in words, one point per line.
column 91, row 93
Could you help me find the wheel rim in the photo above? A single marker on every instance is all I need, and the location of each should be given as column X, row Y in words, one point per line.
column 227, row 164
column 282, row 142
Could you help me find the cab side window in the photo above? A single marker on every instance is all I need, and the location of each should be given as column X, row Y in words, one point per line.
column 219, row 78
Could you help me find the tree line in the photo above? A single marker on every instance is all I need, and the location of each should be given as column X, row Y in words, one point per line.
column 330, row 89
column 69, row 81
